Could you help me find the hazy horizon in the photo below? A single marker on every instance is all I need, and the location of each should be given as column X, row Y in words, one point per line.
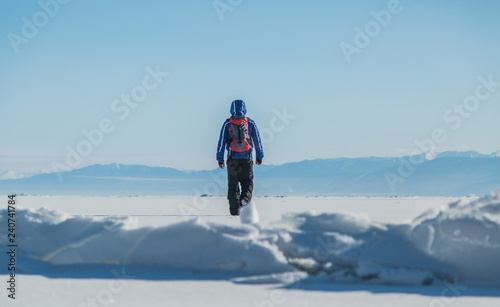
column 145, row 163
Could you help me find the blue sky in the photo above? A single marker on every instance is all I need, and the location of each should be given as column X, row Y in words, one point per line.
column 278, row 56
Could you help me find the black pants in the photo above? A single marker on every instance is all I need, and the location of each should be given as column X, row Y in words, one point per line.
column 239, row 172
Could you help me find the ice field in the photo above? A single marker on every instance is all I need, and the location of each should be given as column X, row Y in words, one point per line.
column 318, row 251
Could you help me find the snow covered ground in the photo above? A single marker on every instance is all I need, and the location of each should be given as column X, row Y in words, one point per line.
column 186, row 251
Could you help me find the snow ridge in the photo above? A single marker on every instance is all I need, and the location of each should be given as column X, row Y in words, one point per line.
column 459, row 242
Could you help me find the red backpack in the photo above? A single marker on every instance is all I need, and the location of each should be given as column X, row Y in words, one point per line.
column 238, row 135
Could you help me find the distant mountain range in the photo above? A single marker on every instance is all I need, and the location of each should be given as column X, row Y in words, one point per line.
column 447, row 174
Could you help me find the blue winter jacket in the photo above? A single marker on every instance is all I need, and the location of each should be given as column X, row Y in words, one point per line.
column 238, row 110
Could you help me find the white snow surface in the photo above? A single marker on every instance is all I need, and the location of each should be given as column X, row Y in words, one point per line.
column 458, row 242
column 59, row 239
column 466, row 235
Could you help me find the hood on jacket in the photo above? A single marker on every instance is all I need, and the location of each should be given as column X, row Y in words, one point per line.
column 238, row 108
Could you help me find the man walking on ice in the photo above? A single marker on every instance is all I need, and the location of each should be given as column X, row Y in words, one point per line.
column 238, row 136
